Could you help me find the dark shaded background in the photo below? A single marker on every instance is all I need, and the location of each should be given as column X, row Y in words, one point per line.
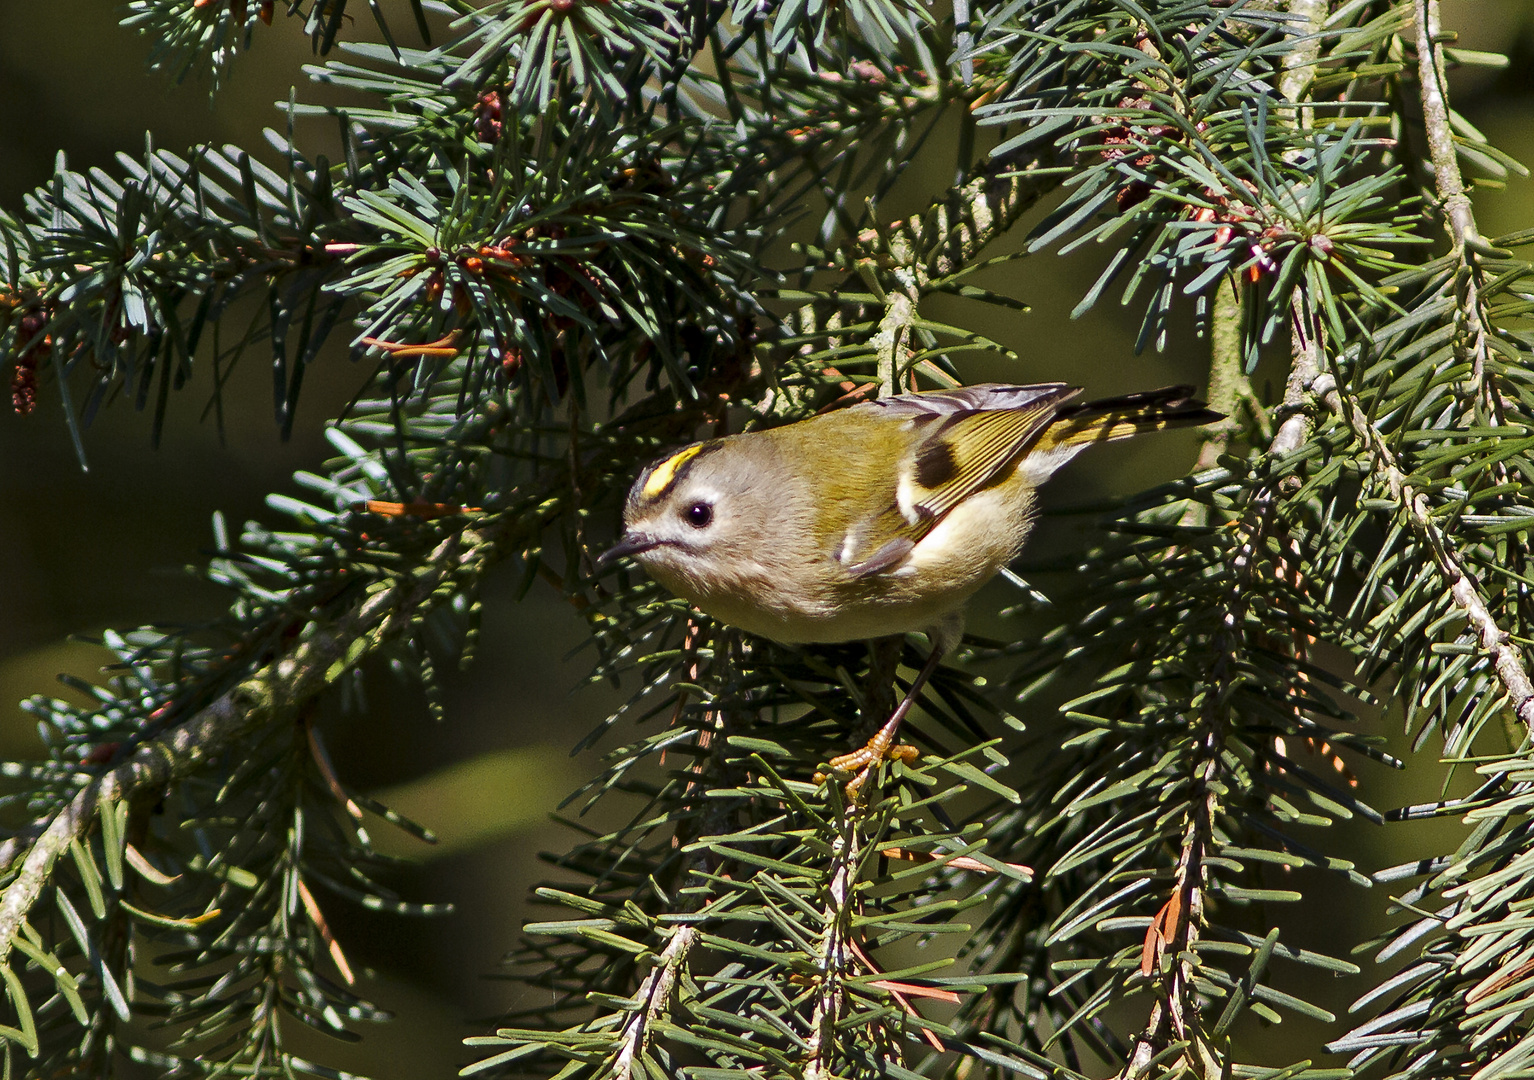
column 81, row 551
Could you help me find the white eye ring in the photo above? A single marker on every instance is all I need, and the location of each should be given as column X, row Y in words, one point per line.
column 699, row 515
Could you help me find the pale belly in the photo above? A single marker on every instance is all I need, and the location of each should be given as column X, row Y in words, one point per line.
column 859, row 622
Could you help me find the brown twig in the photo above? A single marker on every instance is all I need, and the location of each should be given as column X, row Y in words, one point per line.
column 317, row 917
column 901, row 992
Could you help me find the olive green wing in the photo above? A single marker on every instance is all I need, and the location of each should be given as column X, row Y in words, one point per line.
column 964, row 441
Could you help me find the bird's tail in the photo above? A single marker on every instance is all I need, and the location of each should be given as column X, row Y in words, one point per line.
column 1121, row 417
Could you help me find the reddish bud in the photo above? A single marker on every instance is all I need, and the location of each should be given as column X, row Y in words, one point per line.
column 101, row 753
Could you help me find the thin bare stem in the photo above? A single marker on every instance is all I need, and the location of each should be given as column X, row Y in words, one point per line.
column 834, row 956
column 655, row 992
column 1229, row 388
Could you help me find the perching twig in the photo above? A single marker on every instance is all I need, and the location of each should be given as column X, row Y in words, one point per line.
column 834, row 955
column 655, row 992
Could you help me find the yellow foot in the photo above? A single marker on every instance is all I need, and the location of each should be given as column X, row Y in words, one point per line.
column 874, row 753
column 863, row 761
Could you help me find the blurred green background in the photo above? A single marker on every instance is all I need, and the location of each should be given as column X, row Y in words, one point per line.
column 81, row 551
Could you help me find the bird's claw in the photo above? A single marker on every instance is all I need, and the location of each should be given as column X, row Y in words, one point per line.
column 882, row 747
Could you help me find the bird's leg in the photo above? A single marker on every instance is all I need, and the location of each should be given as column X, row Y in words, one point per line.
column 882, row 747
column 884, row 656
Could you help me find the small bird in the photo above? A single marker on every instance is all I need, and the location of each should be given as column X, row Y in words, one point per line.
column 874, row 520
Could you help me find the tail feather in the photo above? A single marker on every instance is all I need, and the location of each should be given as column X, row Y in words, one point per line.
column 1110, row 419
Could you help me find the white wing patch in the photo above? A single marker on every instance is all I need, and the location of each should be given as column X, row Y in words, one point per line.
column 907, row 491
column 1039, row 465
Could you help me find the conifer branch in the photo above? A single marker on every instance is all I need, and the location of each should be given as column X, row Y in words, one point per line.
column 834, row 957
column 1176, row 930
column 1229, row 388
column 655, row 994
column 276, row 692
column 962, row 221
column 740, row 922
column 1464, row 589
column 1471, row 334
column 943, row 240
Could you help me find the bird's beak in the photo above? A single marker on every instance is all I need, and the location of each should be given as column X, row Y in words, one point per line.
column 631, row 543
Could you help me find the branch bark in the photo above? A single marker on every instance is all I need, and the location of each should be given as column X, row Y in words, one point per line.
column 1471, row 342
column 656, row 995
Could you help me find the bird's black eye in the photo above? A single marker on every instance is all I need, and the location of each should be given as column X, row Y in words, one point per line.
column 698, row 515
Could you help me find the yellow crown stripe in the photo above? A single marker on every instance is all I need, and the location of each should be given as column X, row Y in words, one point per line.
column 665, row 473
